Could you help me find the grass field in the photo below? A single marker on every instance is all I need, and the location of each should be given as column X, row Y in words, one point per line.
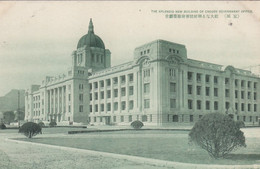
column 164, row 145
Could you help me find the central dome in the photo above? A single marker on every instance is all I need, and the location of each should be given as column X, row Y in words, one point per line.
column 90, row 39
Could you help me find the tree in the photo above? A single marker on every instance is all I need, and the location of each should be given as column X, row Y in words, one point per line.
column 218, row 134
column 30, row 129
column 137, row 124
column 8, row 117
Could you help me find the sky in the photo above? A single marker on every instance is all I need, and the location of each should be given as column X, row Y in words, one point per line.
column 37, row 38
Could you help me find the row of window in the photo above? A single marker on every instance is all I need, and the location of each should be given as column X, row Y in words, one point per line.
column 108, row 81
column 227, row 80
column 227, row 105
column 144, row 52
column 102, row 106
column 180, row 118
column 122, row 92
column 207, row 92
column 173, row 51
column 97, row 58
column 143, row 118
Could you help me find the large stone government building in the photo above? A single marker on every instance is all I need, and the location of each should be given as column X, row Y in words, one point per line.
column 160, row 86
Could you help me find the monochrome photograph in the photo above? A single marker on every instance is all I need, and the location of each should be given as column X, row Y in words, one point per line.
column 129, row 84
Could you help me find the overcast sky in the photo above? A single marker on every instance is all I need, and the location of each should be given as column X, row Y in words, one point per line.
column 37, row 38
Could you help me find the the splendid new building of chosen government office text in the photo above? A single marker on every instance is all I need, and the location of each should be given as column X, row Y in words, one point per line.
column 160, row 86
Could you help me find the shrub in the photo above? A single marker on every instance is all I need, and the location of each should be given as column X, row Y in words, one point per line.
column 137, row 124
column 53, row 124
column 30, row 129
column 41, row 124
column 240, row 124
column 2, row 126
column 218, row 134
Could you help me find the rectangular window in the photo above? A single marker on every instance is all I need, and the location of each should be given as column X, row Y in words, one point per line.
column 102, row 107
column 96, row 96
column 147, row 88
column 122, row 118
column 236, row 106
column 123, row 105
column 254, row 95
column 216, row 92
column 130, row 118
column 81, row 97
column 90, row 86
column 215, row 105
column 198, row 104
column 96, row 108
column 173, row 103
column 109, row 94
column 90, row 108
column 114, row 118
column 115, row 106
column 102, row 95
column 69, row 108
column 108, row 82
column 101, row 83
column 207, row 91
column 249, row 107
column 198, row 77
column 207, row 105
column 242, row 95
column 190, row 104
column 108, row 106
column 131, row 105
column 146, row 103
column 255, row 107
column 131, row 90
column 242, row 83
column 115, row 80
column 95, row 119
column 81, row 108
column 227, row 105
column 215, row 80
column 115, row 92
column 244, row 118
column 172, row 72
column 242, row 107
column 255, row 85
column 189, row 76
column 207, row 78
column 236, row 82
column 69, row 97
column 236, row 94
column 226, row 81
column 123, row 91
column 131, row 77
column 172, row 87
column 147, row 73
column 198, row 90
column 249, row 95
column 191, row 118
column 96, row 85
column 249, row 84
column 227, row 93
column 122, row 79
column 189, row 89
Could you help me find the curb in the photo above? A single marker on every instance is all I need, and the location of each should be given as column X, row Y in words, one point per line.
column 112, row 130
column 143, row 160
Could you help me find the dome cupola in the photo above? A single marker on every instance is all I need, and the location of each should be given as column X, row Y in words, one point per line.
column 90, row 39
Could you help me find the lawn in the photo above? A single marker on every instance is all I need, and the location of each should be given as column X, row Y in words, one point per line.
column 164, row 145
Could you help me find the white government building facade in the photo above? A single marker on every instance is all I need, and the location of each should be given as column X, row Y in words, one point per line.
column 160, row 86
